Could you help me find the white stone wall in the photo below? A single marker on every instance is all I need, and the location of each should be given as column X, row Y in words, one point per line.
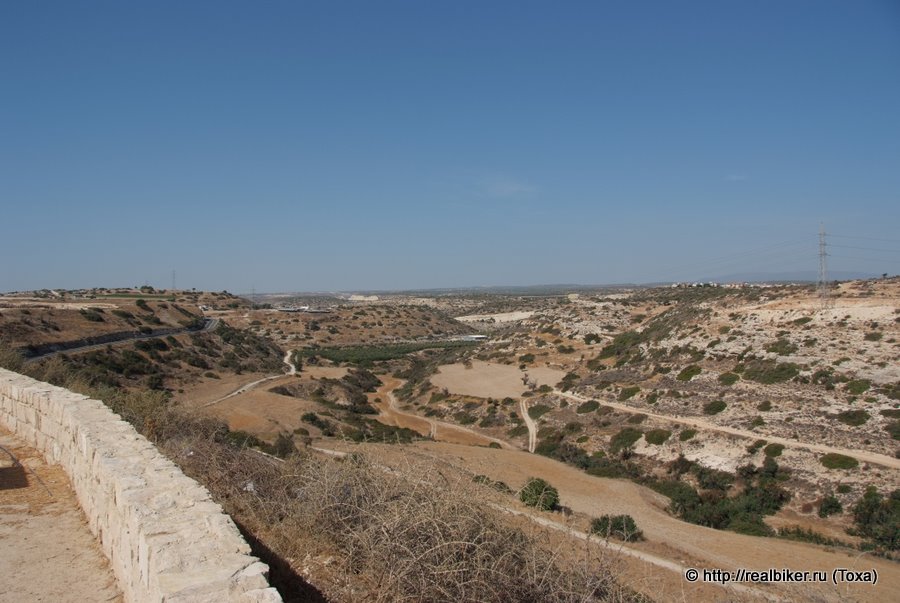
column 164, row 536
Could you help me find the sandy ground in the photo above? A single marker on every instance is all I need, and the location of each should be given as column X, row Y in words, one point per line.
column 261, row 412
column 679, row 542
column 47, row 552
column 214, row 389
column 491, row 380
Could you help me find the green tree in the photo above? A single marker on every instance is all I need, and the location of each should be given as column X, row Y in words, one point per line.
column 616, row 526
column 539, row 494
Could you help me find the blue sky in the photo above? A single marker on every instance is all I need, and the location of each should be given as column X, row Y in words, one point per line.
column 296, row 146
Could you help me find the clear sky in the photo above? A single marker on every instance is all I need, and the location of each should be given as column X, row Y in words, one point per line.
column 335, row 145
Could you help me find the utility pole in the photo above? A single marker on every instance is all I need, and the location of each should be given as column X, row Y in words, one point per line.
column 173, row 281
column 822, row 284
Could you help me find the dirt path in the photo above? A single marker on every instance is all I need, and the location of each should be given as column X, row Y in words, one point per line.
column 529, row 422
column 621, row 549
column 47, row 552
column 391, row 414
column 861, row 455
column 292, row 370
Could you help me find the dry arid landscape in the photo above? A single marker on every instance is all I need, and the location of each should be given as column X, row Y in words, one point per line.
column 584, row 444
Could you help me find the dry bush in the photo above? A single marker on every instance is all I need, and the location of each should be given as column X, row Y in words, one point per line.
column 407, row 535
column 10, row 358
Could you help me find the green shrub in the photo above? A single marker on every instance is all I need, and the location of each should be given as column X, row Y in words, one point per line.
column 728, row 378
column 586, row 407
column 517, row 431
column 782, row 347
column 628, row 392
column 807, row 535
column 568, row 382
column 755, row 446
column 538, row 410
column 714, row 407
column 621, row 527
column 834, row 460
column 539, row 494
column 622, row 345
column 689, row 373
column 637, row 418
column 802, row 321
column 857, row 386
column 526, row 358
column 764, row 406
column 853, row 417
column 742, row 513
column 873, row 336
column 829, row 506
column 464, row 418
column 92, row 315
column 893, row 428
column 283, row 446
column 773, row 450
column 713, row 479
column 878, row 518
column 757, row 422
column 313, row 419
column 657, row 436
column 624, row 439
column 687, row 434
column 768, row 372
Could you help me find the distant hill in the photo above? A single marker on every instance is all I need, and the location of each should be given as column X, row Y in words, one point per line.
column 797, row 276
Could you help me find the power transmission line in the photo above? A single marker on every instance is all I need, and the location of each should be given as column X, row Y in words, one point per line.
column 866, row 248
column 840, row 236
column 853, row 257
column 822, row 285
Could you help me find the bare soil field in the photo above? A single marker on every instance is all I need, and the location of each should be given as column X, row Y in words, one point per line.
column 262, row 412
column 492, row 380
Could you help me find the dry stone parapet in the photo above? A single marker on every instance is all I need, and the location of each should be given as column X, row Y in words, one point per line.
column 165, row 537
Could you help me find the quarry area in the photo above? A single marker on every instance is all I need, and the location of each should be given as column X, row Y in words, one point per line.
column 378, row 447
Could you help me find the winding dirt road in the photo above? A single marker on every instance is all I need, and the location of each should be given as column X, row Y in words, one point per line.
column 861, row 455
column 529, row 422
column 391, row 414
column 292, row 370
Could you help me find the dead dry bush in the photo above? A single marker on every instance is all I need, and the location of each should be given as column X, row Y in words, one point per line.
column 402, row 535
